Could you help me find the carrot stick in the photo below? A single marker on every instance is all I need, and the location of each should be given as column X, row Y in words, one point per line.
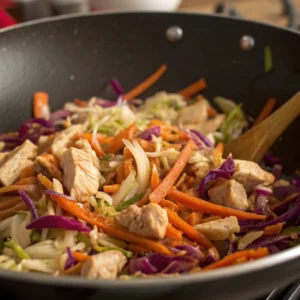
column 40, row 105
column 169, row 204
column 266, row 111
column 162, row 190
column 80, row 257
column 194, row 218
column 120, row 173
column 230, row 259
column 11, row 211
column 94, row 144
column 154, row 178
column 117, row 143
column 138, row 249
column 16, row 188
column 173, row 233
column 190, row 231
column 111, row 189
column 45, row 182
column 128, row 166
column 274, row 229
column 28, row 180
column 193, row 89
column 197, row 204
column 217, row 154
column 9, row 202
column 211, row 112
column 102, row 139
column 147, row 83
column 154, row 161
column 106, row 225
column 144, row 200
column 28, row 172
column 80, row 103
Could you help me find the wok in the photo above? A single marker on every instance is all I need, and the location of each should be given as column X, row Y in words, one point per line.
column 77, row 56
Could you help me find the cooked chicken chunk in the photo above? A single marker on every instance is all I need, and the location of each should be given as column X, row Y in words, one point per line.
column 64, row 140
column 16, row 161
column 85, row 146
column 3, row 155
column 250, row 174
column 80, row 176
column 105, row 265
column 229, row 193
column 219, row 230
column 47, row 168
column 149, row 221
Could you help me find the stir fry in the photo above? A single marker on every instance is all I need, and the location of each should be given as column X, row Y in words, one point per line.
column 127, row 189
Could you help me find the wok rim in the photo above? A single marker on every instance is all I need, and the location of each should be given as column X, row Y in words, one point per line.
column 201, row 277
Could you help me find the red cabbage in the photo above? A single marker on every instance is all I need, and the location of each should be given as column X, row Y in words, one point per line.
column 203, row 138
column 117, row 87
column 70, row 262
column 60, row 115
column 146, row 134
column 270, row 160
column 60, row 222
column 282, row 192
column 209, row 259
column 191, row 251
column 261, row 205
column 266, row 241
column 158, row 263
column 225, row 171
column 291, row 217
column 295, row 182
column 232, row 247
column 198, row 142
column 30, row 204
column 284, row 206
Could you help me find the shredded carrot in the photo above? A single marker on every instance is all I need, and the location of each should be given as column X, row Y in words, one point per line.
column 211, row 112
column 266, row 111
column 274, row 229
column 231, row 258
column 166, row 185
column 117, row 143
column 29, row 171
column 9, row 202
column 194, row 218
column 102, row 139
column 16, row 188
column 40, row 105
column 120, row 173
column 217, row 153
column 173, row 233
column 107, row 226
column 144, row 200
column 80, row 257
column 193, row 89
column 94, row 142
column 147, row 83
column 169, row 204
column 52, row 159
column 154, row 178
column 156, row 122
column 207, row 207
column 111, row 189
column 137, row 249
column 45, row 182
column 80, row 103
column 190, row 231
column 154, row 161
column 28, row 180
column 209, row 219
column 128, row 166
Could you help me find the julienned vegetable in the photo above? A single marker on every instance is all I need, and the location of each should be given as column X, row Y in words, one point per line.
column 116, row 189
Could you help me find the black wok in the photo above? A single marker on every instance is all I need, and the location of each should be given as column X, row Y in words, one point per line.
column 77, row 56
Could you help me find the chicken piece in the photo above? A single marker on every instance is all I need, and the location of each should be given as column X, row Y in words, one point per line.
column 219, row 230
column 229, row 193
column 196, row 113
column 65, row 139
column 47, row 168
column 105, row 265
column 80, row 176
column 250, row 174
column 85, row 146
column 16, row 161
column 3, row 155
column 148, row 221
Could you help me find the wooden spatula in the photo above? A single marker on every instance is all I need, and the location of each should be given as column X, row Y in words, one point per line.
column 255, row 143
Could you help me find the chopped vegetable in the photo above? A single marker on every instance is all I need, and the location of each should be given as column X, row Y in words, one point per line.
column 193, row 89
column 128, row 254
column 117, row 86
column 30, row 205
column 70, row 262
column 129, row 202
column 17, row 249
column 266, row 111
column 225, row 105
column 40, row 105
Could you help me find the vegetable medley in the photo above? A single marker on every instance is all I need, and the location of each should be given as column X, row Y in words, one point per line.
column 128, row 189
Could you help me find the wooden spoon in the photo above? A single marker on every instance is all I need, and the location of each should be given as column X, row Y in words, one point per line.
column 255, row 143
